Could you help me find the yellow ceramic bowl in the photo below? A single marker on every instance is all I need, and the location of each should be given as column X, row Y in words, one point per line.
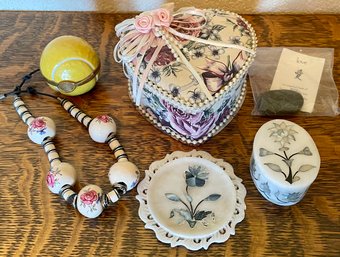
column 69, row 58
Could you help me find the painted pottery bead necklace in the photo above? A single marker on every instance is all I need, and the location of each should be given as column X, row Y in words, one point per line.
column 90, row 201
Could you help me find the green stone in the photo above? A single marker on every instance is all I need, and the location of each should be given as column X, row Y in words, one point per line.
column 279, row 102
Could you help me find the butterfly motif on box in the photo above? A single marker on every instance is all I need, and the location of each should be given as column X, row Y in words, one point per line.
column 216, row 74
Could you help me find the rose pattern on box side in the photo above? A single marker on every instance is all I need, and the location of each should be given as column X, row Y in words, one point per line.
column 190, row 125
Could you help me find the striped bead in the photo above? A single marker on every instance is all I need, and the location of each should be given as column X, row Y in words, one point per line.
column 69, row 195
column 22, row 111
column 110, row 198
column 117, row 148
column 75, row 112
column 51, row 151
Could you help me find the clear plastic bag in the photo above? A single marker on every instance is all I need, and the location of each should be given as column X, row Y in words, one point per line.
column 262, row 72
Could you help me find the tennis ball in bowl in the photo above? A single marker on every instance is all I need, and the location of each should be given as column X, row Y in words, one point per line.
column 70, row 59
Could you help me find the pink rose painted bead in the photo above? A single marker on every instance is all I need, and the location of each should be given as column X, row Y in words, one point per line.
column 89, row 201
column 125, row 172
column 41, row 128
column 144, row 23
column 101, row 127
column 60, row 175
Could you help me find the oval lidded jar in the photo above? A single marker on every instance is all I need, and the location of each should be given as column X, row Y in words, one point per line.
column 285, row 161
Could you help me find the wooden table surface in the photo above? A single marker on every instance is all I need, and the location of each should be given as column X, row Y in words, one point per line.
column 34, row 222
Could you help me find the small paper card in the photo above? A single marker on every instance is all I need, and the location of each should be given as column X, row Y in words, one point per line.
column 301, row 73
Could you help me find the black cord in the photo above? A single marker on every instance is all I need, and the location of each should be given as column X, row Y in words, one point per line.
column 18, row 89
column 26, row 78
column 33, row 91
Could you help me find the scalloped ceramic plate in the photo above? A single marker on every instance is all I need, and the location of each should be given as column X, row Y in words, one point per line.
column 191, row 199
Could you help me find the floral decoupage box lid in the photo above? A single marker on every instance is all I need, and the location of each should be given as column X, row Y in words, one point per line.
column 191, row 199
column 186, row 68
column 188, row 55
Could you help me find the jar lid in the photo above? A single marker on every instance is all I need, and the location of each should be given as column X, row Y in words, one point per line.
column 191, row 199
column 286, row 154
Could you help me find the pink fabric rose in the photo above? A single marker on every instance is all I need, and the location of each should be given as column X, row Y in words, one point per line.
column 38, row 124
column 193, row 125
column 50, row 179
column 162, row 17
column 89, row 197
column 144, row 23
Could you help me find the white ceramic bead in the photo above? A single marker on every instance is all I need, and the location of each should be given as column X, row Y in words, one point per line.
column 41, row 128
column 60, row 175
column 101, row 127
column 89, row 201
column 125, row 172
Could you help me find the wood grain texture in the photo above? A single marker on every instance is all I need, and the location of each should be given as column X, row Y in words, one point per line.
column 34, row 222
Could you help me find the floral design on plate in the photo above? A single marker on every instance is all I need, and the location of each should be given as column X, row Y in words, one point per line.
column 191, row 199
column 195, row 176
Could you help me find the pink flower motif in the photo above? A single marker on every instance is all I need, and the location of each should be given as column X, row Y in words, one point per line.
column 164, row 57
column 38, row 124
column 104, row 118
column 162, row 17
column 144, row 23
column 193, row 125
column 242, row 24
column 89, row 197
column 50, row 179
column 187, row 25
